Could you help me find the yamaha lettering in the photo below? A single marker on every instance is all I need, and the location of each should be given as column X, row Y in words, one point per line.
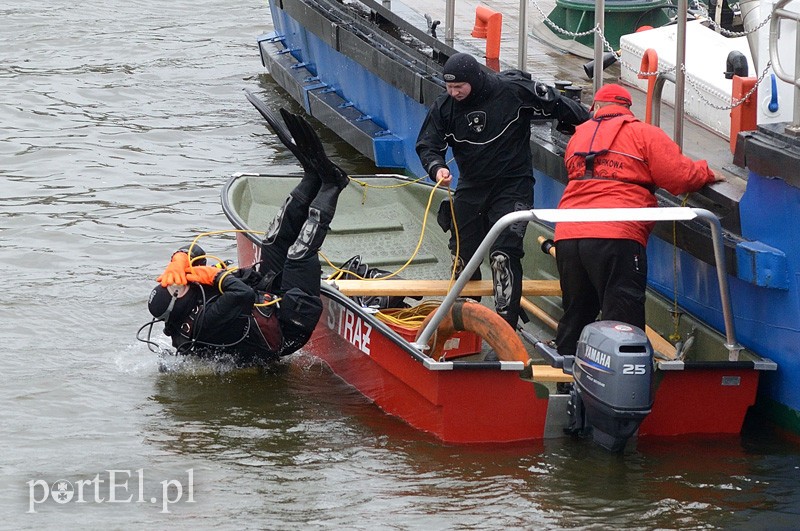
column 600, row 358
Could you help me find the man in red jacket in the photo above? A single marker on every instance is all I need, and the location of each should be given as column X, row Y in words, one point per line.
column 614, row 161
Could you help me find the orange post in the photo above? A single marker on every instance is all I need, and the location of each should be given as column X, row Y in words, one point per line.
column 743, row 117
column 488, row 25
column 649, row 66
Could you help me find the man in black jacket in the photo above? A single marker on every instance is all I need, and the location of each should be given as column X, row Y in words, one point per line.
column 485, row 118
column 211, row 310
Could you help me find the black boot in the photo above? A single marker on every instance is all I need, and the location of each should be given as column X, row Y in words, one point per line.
column 320, row 215
column 507, row 280
column 302, row 268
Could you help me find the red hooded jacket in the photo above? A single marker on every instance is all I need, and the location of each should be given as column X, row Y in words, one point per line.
column 632, row 159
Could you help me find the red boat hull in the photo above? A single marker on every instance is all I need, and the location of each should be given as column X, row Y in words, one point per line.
column 457, row 406
column 701, row 401
column 485, row 404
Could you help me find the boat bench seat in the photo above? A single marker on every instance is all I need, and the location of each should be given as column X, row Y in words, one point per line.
column 474, row 288
column 431, row 288
column 546, row 373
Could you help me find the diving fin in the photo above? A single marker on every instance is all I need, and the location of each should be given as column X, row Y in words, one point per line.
column 277, row 127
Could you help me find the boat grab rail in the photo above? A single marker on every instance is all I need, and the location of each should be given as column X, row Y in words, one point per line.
column 554, row 215
column 658, row 89
column 779, row 13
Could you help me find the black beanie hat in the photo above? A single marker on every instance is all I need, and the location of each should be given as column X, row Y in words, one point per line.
column 463, row 68
column 197, row 251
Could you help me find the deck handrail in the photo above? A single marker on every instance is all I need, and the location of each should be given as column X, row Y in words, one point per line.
column 779, row 13
column 655, row 102
column 554, row 215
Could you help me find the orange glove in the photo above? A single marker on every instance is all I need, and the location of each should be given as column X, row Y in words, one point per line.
column 203, row 274
column 175, row 272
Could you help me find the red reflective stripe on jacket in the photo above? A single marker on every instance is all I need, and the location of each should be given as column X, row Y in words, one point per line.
column 640, row 157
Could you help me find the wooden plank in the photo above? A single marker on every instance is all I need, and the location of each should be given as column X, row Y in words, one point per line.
column 475, row 288
column 428, row 288
column 537, row 312
column 546, row 373
column 661, row 345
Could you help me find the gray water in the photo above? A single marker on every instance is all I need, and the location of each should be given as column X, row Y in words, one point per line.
column 120, row 123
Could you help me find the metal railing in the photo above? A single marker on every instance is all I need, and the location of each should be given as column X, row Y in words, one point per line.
column 594, row 215
column 779, row 13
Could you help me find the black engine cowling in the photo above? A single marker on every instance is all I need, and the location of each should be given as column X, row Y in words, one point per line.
column 613, row 392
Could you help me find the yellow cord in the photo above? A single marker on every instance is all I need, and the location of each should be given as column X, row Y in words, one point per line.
column 675, row 336
column 221, row 263
column 364, row 185
column 338, row 272
column 411, row 318
column 222, row 277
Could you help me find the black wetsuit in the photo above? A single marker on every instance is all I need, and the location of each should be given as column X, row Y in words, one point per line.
column 229, row 324
column 489, row 133
column 226, row 314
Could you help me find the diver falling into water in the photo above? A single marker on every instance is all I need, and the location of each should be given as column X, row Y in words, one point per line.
column 257, row 315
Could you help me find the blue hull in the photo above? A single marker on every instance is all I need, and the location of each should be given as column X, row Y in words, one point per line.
column 378, row 109
column 331, row 84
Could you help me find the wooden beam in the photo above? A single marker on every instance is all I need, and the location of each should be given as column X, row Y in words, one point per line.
column 537, row 312
column 546, row 373
column 661, row 345
column 430, row 288
column 476, row 288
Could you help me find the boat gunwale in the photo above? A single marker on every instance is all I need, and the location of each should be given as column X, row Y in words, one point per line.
column 332, row 292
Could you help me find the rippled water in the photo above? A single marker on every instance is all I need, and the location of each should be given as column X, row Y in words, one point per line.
column 120, row 122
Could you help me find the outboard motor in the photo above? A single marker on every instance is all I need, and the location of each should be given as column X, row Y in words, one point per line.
column 613, row 392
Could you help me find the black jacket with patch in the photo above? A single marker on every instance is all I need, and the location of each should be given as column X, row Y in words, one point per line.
column 490, row 130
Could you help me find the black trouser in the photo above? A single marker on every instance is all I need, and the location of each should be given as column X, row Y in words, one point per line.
column 477, row 209
column 289, row 257
column 599, row 276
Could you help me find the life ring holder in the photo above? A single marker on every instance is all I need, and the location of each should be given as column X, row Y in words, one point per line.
column 467, row 314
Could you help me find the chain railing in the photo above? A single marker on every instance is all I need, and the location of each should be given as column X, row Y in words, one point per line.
column 693, row 82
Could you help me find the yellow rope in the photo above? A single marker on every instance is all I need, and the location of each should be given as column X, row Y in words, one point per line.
column 338, row 272
column 411, row 318
column 675, row 336
column 221, row 263
column 364, row 185
column 222, row 277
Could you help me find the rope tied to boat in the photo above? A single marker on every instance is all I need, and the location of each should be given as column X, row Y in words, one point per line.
column 338, row 272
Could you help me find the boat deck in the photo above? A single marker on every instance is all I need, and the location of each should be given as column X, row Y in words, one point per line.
column 376, row 220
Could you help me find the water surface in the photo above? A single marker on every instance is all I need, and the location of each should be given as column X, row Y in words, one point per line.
column 121, row 121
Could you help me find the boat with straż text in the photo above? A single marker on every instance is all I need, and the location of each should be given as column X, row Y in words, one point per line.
column 369, row 70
